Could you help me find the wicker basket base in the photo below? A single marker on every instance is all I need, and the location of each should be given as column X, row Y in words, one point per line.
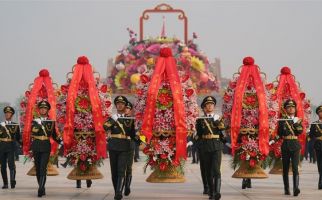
column 170, row 176
column 92, row 173
column 278, row 168
column 51, row 171
column 243, row 172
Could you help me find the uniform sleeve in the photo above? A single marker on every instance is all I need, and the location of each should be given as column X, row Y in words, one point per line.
column 198, row 128
column 280, row 129
column 34, row 128
column 108, row 124
column 220, row 124
column 55, row 136
column 298, row 128
column 18, row 136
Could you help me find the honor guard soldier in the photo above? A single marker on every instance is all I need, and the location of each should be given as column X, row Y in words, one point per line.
column 9, row 135
column 289, row 128
column 42, row 129
column 121, row 132
column 316, row 132
column 209, row 132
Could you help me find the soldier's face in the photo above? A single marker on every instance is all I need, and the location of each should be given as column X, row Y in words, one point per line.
column 290, row 110
column 320, row 114
column 43, row 111
column 8, row 116
column 128, row 111
column 209, row 107
column 120, row 106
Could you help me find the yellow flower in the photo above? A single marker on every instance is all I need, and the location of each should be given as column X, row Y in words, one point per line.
column 197, row 64
column 150, row 61
column 121, row 74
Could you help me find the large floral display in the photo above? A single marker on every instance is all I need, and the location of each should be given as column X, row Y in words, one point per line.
column 284, row 88
column 166, row 110
column 83, row 105
column 249, row 111
column 138, row 57
column 41, row 89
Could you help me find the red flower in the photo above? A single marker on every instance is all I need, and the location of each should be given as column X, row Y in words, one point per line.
column 146, row 150
column 139, row 116
column 272, row 113
column 144, row 78
column 269, row 86
column 273, row 97
column 253, row 154
column 248, row 61
column 43, row 92
column 242, row 156
column 163, row 166
column 252, row 163
column 27, row 94
column 254, row 121
column 83, row 157
column 189, row 92
column 164, row 156
column 262, row 157
column 22, row 104
column 185, row 78
column 227, row 98
column 232, row 84
column 250, row 100
column 82, row 166
column 164, row 98
column 83, row 103
column 139, row 92
column 94, row 158
column 285, row 70
column 82, row 60
column 64, row 89
column 62, row 120
column 104, row 88
column 306, row 105
column 108, row 104
column 152, row 162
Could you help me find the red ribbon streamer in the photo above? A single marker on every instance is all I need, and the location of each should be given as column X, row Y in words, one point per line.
column 85, row 72
column 166, row 67
column 38, row 83
column 284, row 81
column 247, row 72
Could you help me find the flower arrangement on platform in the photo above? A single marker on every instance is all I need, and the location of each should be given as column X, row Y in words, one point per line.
column 248, row 152
column 161, row 155
column 83, row 155
column 139, row 56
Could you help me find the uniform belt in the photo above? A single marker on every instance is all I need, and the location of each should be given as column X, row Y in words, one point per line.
column 120, row 136
column 40, row 137
column 319, row 138
column 290, row 137
column 6, row 140
column 210, row 136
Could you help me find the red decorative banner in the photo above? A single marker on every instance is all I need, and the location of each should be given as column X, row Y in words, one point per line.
column 42, row 79
column 166, row 69
column 84, row 70
column 286, row 80
column 249, row 70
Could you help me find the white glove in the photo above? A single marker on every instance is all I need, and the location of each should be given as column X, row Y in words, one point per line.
column 295, row 119
column 189, row 143
column 271, row 142
column 115, row 117
column 38, row 120
column 3, row 124
column 216, row 117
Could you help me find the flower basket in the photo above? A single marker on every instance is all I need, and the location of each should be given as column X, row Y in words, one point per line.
column 170, row 175
column 91, row 173
column 245, row 172
column 51, row 170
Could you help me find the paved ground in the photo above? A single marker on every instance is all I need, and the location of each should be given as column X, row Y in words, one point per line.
column 59, row 187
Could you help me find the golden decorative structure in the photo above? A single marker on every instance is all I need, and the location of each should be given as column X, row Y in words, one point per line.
column 255, row 173
column 278, row 168
column 51, row 170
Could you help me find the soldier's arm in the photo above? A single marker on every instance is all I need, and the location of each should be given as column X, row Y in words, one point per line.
column 108, row 124
column 18, row 136
column 280, row 128
column 297, row 128
column 220, row 124
column 55, row 136
column 198, row 128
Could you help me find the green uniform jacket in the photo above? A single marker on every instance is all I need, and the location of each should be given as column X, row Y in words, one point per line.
column 124, row 127
column 215, row 128
column 13, row 133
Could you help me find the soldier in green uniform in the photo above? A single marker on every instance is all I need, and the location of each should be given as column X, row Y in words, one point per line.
column 121, row 132
column 42, row 130
column 316, row 132
column 128, row 173
column 289, row 128
column 9, row 135
column 209, row 131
